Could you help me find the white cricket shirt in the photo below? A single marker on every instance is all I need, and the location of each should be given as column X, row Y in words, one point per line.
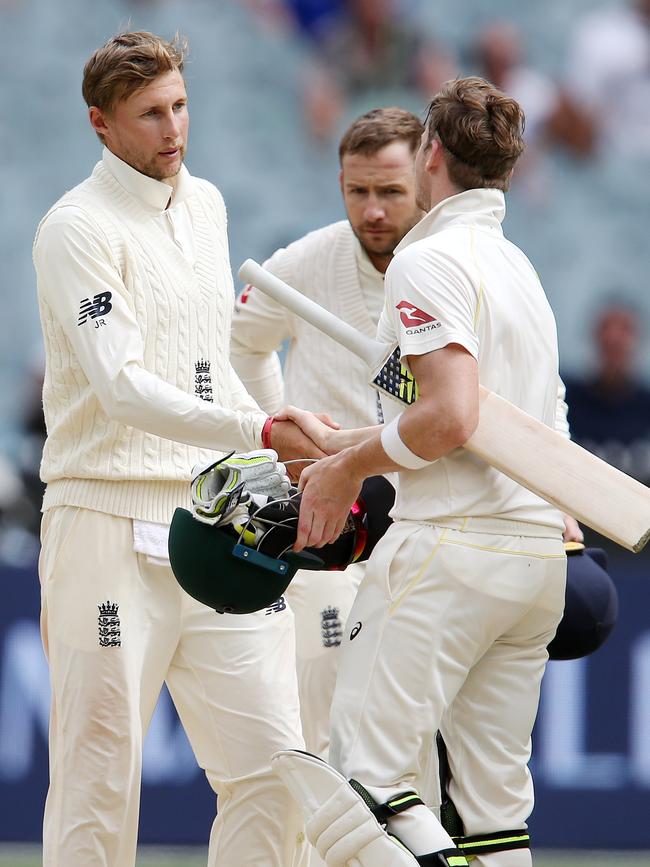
column 455, row 278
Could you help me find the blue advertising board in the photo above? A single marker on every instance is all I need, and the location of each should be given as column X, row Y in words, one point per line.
column 591, row 745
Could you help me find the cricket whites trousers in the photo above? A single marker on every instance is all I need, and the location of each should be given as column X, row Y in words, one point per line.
column 115, row 627
column 449, row 631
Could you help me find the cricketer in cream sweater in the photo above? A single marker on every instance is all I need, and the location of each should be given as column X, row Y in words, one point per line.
column 331, row 267
column 341, row 266
column 136, row 296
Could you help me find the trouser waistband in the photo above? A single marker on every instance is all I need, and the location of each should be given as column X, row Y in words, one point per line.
column 495, row 526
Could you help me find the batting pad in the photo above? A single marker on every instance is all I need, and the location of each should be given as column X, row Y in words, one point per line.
column 338, row 821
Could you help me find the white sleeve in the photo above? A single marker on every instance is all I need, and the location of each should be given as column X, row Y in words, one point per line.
column 74, row 262
column 562, row 411
column 431, row 303
column 259, row 327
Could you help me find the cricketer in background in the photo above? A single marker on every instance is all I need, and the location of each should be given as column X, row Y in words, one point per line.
column 341, row 266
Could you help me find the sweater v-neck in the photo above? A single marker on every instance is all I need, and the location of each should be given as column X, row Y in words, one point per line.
column 353, row 305
column 132, row 208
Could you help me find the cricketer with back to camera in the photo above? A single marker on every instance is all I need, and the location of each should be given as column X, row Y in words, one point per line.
column 341, row 267
column 435, row 645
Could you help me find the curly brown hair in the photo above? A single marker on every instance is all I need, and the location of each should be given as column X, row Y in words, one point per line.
column 481, row 130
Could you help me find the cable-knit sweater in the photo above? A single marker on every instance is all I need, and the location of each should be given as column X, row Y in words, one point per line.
column 138, row 385
column 318, row 374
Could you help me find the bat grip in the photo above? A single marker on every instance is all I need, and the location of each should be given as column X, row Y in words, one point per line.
column 371, row 351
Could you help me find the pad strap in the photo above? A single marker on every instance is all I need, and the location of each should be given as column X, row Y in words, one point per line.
column 444, row 858
column 500, row 841
column 397, row 804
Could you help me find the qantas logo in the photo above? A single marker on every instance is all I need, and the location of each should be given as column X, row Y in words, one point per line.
column 412, row 316
column 416, row 321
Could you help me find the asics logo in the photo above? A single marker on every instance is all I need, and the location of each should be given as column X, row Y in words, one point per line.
column 356, row 629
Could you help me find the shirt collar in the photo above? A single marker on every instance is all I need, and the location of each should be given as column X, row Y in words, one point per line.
column 152, row 193
column 485, row 208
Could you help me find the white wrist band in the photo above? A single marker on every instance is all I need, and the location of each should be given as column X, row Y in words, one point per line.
column 397, row 450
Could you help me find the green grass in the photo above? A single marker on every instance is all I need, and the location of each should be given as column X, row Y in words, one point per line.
column 28, row 856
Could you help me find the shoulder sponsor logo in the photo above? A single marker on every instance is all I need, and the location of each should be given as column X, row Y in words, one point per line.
column 356, row 629
column 99, row 306
column 245, row 294
column 415, row 320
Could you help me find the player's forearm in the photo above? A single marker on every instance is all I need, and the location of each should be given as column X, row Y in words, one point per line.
column 338, row 440
column 426, row 433
column 142, row 400
column 431, row 428
column 368, row 458
column 262, row 376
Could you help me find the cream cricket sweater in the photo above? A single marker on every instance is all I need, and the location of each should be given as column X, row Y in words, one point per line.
column 138, row 386
column 319, row 375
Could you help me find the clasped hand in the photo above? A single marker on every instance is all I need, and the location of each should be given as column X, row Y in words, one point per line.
column 299, row 437
column 329, row 486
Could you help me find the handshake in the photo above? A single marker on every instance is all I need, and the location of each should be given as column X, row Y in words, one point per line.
column 293, row 438
column 299, row 437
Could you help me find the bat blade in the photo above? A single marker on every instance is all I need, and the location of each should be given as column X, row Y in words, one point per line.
column 561, row 472
column 523, row 448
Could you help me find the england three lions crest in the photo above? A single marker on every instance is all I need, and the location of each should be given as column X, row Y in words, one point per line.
column 203, row 380
column 108, row 624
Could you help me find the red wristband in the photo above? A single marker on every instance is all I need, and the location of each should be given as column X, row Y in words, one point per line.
column 266, row 433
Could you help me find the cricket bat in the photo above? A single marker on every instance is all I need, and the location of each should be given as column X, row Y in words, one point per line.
column 523, row 448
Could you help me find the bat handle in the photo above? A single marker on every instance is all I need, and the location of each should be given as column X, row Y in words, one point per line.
column 371, row 351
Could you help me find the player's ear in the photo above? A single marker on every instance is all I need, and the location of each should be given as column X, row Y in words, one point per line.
column 97, row 120
column 435, row 154
column 341, row 180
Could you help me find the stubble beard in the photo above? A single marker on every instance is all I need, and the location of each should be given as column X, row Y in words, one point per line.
column 153, row 170
column 387, row 245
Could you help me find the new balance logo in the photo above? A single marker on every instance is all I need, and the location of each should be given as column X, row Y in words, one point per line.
column 278, row 605
column 109, row 625
column 99, row 306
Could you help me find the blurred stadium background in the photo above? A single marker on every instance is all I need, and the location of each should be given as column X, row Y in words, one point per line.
column 271, row 87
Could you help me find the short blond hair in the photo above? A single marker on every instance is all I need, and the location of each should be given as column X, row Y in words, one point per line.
column 481, row 130
column 126, row 64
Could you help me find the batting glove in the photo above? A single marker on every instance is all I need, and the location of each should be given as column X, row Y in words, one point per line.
column 219, row 487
